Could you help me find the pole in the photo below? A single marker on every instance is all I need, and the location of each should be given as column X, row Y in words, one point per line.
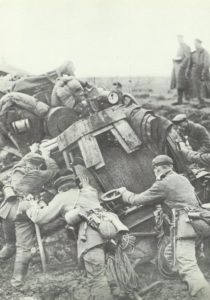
column 41, row 248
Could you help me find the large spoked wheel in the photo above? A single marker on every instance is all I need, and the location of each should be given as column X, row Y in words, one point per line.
column 165, row 259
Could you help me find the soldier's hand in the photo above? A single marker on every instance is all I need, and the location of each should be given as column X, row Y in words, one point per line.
column 203, row 77
column 34, row 148
column 46, row 196
column 45, row 152
column 121, row 190
column 84, row 180
column 23, row 206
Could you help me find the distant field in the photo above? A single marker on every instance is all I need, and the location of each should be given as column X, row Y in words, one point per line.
column 134, row 84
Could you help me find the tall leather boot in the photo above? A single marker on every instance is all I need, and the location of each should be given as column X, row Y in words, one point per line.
column 9, row 248
column 20, row 268
column 202, row 103
column 180, row 93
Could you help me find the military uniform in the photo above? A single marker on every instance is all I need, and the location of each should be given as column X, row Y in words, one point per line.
column 176, row 192
column 178, row 79
column 90, row 250
column 197, row 157
column 25, row 180
column 198, row 135
column 198, row 70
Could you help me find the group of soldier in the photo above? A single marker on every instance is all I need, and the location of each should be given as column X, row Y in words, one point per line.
column 41, row 193
column 190, row 74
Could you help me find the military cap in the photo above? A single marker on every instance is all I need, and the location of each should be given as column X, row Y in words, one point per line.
column 118, row 84
column 161, row 160
column 198, row 41
column 34, row 159
column 62, row 180
column 179, row 118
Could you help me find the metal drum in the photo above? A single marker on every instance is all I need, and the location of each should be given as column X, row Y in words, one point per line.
column 21, row 125
column 58, row 119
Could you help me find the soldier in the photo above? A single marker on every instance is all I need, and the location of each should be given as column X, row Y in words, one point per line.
column 197, row 135
column 198, row 70
column 176, row 192
column 202, row 159
column 28, row 178
column 78, row 205
column 178, row 80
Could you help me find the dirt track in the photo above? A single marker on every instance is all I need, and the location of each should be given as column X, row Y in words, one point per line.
column 65, row 281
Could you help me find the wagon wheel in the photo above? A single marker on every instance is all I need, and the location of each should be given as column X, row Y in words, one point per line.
column 128, row 100
column 165, row 259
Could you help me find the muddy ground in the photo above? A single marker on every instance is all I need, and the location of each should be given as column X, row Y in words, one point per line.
column 63, row 280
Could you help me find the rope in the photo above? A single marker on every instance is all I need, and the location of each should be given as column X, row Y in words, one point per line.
column 121, row 270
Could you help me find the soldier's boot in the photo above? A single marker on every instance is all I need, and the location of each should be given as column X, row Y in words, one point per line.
column 9, row 235
column 180, row 93
column 20, row 269
column 7, row 251
column 203, row 294
column 201, row 104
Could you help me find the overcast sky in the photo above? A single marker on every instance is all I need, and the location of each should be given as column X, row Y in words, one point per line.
column 101, row 37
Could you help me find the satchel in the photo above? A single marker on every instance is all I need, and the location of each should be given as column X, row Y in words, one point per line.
column 185, row 229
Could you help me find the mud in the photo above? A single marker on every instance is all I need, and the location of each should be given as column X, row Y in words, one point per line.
column 63, row 279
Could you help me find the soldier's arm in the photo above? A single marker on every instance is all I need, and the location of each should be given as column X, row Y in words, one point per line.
column 204, row 137
column 186, row 56
column 48, row 213
column 55, row 101
column 34, row 180
column 42, row 177
column 196, row 157
column 154, row 195
column 206, row 63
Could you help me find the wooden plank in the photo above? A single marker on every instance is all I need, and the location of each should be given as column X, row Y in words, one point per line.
column 126, row 136
column 91, row 152
column 120, row 140
column 91, row 124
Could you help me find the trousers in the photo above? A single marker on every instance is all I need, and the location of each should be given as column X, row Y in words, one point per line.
column 94, row 261
column 188, row 267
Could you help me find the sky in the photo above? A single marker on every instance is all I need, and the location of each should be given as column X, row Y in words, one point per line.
column 101, row 37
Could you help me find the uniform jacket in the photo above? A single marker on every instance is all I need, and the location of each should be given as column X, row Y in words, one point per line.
column 172, row 188
column 26, row 180
column 199, row 62
column 86, row 198
column 196, row 157
column 200, row 135
column 178, row 79
column 198, row 72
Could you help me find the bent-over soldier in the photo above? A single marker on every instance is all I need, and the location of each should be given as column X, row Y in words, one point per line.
column 177, row 193
column 27, row 179
column 202, row 159
column 198, row 136
column 81, row 208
